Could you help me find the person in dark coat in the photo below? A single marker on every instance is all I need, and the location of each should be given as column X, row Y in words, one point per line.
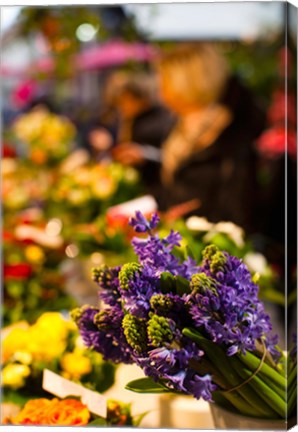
column 209, row 155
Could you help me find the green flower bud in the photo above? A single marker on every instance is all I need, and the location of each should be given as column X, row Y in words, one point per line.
column 218, row 262
column 209, row 251
column 161, row 303
column 77, row 313
column 216, row 258
column 101, row 275
column 200, row 282
column 99, row 320
column 127, row 273
column 159, row 330
column 135, row 332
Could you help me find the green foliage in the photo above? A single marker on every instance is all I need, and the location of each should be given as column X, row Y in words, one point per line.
column 174, row 284
column 146, row 385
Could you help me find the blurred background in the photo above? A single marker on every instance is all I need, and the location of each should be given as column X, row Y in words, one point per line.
column 180, row 108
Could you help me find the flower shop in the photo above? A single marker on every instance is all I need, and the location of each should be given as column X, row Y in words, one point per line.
column 149, row 216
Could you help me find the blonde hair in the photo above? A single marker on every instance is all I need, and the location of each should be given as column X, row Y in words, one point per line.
column 194, row 72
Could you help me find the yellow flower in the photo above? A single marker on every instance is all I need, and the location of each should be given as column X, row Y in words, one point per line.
column 13, row 375
column 16, row 340
column 47, row 338
column 53, row 323
column 75, row 365
column 23, row 357
column 44, row 346
column 34, row 254
column 104, row 187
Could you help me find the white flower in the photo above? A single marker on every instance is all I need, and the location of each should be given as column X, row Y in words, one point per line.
column 195, row 223
column 256, row 262
column 233, row 231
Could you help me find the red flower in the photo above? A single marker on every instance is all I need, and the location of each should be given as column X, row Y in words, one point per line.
column 17, row 271
column 8, row 151
column 272, row 142
column 277, row 112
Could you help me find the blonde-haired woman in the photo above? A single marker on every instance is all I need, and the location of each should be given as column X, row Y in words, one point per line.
column 209, row 153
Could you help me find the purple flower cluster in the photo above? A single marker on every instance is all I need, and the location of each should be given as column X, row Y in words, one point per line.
column 224, row 302
column 150, row 302
column 157, row 253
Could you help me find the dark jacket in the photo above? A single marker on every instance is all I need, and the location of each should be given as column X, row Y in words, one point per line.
column 152, row 128
column 223, row 175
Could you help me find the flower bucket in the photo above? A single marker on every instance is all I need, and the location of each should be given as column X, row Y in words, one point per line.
column 224, row 419
column 184, row 412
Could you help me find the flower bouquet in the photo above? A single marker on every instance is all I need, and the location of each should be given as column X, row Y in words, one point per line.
column 46, row 137
column 72, row 412
column 52, row 342
column 194, row 328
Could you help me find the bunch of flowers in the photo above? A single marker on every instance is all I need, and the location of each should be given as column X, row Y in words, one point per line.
column 196, row 329
column 32, row 281
column 52, row 342
column 47, row 137
column 23, row 185
column 92, row 188
column 72, row 412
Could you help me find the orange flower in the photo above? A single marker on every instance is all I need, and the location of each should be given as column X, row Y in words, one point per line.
column 38, row 156
column 34, row 412
column 68, row 412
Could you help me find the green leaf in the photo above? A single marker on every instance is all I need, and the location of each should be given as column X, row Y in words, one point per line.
column 182, row 285
column 138, row 418
column 167, row 282
column 146, row 385
column 98, row 422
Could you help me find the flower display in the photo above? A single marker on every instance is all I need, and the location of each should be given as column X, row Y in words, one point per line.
column 47, row 137
column 22, row 185
column 52, row 342
column 196, row 328
column 72, row 412
column 32, row 281
column 92, row 188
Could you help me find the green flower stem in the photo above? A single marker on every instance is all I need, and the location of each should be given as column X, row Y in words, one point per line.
column 222, row 401
column 245, row 399
column 292, row 400
column 241, row 404
column 259, row 406
column 253, row 362
column 239, row 398
column 264, row 391
column 292, row 376
column 271, row 384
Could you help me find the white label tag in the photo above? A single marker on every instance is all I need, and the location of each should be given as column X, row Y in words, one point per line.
column 62, row 387
column 146, row 204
